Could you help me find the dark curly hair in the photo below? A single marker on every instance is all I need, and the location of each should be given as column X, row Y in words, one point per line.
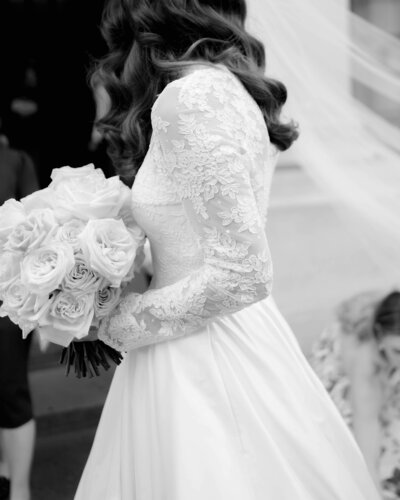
column 387, row 315
column 150, row 44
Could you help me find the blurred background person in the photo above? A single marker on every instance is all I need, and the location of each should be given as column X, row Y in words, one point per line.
column 17, row 426
column 45, row 49
column 358, row 360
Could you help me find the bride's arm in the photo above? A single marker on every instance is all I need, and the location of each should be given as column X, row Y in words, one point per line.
column 211, row 172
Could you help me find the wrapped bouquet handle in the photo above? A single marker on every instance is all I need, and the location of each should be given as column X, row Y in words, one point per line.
column 85, row 358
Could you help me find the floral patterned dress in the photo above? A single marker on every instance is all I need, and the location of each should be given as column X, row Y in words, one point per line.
column 354, row 318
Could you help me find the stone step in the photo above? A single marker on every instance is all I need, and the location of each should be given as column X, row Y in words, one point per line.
column 40, row 360
column 63, row 404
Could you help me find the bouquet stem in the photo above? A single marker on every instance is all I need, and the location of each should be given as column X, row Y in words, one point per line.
column 85, row 358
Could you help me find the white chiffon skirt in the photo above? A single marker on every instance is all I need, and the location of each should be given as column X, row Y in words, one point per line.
column 233, row 412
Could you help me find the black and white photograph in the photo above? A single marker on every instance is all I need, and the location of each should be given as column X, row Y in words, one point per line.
column 200, row 250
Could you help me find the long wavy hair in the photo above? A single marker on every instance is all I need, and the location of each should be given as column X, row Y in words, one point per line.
column 150, row 44
column 387, row 316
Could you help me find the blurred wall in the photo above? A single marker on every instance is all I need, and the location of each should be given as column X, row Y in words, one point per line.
column 383, row 13
column 386, row 15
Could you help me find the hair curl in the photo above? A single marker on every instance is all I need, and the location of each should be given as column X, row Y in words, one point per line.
column 387, row 315
column 151, row 42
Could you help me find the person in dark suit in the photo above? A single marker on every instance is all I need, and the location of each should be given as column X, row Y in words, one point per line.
column 17, row 426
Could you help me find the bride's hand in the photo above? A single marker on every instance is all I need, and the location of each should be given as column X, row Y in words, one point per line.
column 91, row 336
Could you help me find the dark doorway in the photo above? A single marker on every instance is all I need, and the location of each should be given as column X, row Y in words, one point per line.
column 46, row 105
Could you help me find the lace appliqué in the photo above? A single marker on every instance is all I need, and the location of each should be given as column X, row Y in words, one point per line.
column 209, row 138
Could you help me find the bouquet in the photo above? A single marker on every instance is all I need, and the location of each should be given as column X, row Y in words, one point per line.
column 66, row 253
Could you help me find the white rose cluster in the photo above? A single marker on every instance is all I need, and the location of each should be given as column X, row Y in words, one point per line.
column 66, row 251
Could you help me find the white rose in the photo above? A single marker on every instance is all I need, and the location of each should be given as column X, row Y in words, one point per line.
column 105, row 301
column 43, row 198
column 140, row 238
column 62, row 174
column 34, row 307
column 69, row 233
column 38, row 226
column 12, row 213
column 126, row 211
column 109, row 248
column 43, row 269
column 26, row 326
column 85, row 193
column 138, row 234
column 10, row 269
column 81, row 279
column 14, row 296
column 69, row 316
column 23, row 308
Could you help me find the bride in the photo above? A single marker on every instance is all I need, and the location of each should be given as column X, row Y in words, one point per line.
column 214, row 399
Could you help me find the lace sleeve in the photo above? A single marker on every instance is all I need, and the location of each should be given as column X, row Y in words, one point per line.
column 212, row 173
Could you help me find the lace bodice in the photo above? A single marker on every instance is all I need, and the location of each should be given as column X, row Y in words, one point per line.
column 201, row 196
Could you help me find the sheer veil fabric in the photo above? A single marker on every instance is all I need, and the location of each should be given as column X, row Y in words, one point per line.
column 335, row 64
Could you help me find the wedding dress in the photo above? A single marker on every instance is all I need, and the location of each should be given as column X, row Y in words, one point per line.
column 214, row 399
